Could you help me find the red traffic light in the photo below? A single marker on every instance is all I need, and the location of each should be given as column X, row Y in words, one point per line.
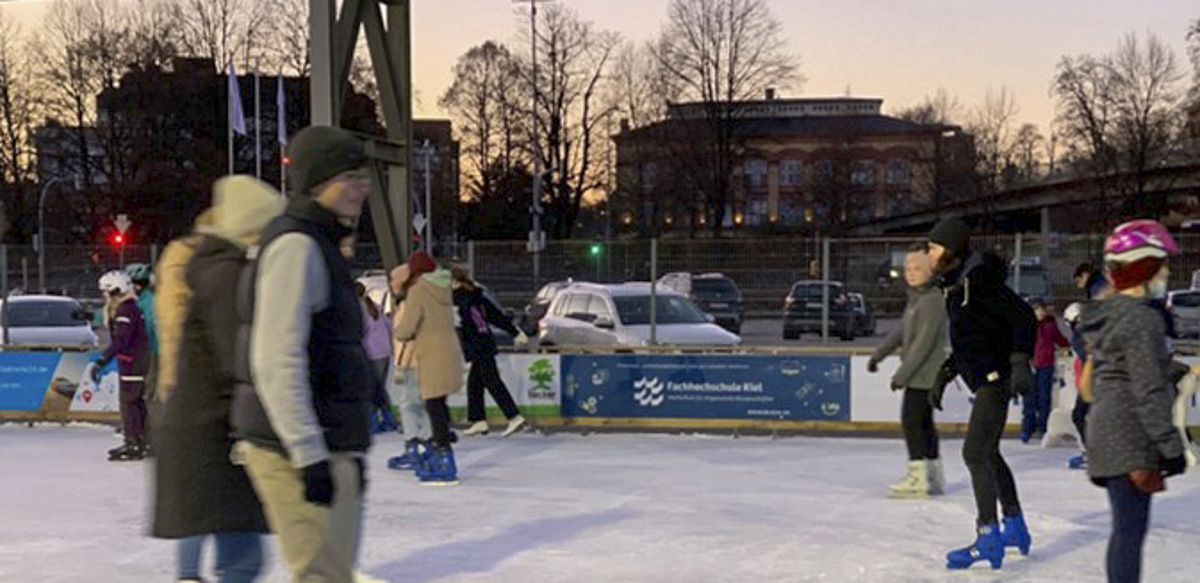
column 117, row 239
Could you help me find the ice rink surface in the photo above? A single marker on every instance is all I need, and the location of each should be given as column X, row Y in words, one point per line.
column 603, row 508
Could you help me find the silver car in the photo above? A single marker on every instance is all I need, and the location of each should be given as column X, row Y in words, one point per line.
column 1184, row 306
column 619, row 315
column 46, row 321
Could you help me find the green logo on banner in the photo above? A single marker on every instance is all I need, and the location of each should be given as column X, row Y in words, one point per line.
column 541, row 375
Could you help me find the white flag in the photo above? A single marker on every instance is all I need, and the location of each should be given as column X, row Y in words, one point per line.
column 237, row 119
column 281, row 112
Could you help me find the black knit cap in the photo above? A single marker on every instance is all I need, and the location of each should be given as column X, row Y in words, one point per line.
column 953, row 234
column 318, row 153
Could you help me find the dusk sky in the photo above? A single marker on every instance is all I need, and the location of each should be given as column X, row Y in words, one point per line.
column 900, row 50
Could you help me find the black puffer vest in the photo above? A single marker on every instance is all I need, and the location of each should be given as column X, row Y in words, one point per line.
column 340, row 374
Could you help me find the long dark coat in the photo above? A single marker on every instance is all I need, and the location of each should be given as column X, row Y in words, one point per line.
column 198, row 489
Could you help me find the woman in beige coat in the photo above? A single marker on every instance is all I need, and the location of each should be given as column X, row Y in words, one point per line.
column 428, row 322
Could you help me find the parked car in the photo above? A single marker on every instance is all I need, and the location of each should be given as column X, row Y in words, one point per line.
column 47, row 321
column 1184, row 306
column 864, row 316
column 619, row 315
column 536, row 309
column 1035, row 280
column 802, row 310
column 714, row 293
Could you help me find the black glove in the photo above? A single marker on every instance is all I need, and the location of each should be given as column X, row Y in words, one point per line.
column 362, row 476
column 318, row 484
column 935, row 395
column 872, row 365
column 897, row 386
column 1173, row 466
column 1020, row 380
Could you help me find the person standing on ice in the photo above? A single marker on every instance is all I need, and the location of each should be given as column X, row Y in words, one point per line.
column 1038, row 403
column 304, row 425
column 414, row 418
column 377, row 341
column 427, row 320
column 198, row 491
column 477, row 314
column 1132, row 444
column 991, row 339
column 923, row 342
column 130, row 346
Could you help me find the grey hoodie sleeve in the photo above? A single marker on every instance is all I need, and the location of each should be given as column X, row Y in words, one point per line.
column 890, row 344
column 928, row 345
column 1143, row 336
column 293, row 283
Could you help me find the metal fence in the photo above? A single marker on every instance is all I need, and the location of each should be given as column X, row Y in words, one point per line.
column 764, row 269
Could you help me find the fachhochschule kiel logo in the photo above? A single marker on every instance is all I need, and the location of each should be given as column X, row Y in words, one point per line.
column 649, row 392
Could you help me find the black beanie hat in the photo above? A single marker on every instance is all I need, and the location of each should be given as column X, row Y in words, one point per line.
column 952, row 234
column 318, row 153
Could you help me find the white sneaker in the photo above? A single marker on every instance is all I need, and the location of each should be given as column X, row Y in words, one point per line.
column 478, row 428
column 937, row 479
column 913, row 485
column 514, row 425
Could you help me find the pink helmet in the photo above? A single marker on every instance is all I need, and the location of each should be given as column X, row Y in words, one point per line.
column 1137, row 240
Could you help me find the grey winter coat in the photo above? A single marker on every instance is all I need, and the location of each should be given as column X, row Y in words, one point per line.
column 1129, row 425
column 923, row 339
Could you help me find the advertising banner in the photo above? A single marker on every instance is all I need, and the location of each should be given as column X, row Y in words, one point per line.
column 797, row 388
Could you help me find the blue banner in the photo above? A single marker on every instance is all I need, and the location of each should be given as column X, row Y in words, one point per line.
column 800, row 388
column 24, row 379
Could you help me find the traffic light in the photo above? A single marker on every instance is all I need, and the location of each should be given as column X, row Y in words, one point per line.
column 595, row 250
column 117, row 239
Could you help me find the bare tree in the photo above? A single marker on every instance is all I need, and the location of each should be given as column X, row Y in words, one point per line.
column 573, row 63
column 638, row 93
column 16, row 126
column 288, row 49
column 153, row 39
column 1026, row 147
column 66, row 81
column 1193, row 51
column 722, row 53
column 224, row 30
column 939, row 108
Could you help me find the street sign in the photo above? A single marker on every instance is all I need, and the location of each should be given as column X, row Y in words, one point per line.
column 418, row 222
column 122, row 223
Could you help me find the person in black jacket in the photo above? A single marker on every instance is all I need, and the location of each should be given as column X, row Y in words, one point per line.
column 992, row 334
column 476, row 313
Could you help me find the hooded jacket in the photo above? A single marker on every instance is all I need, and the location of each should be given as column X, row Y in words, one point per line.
column 1129, row 425
column 476, row 313
column 130, row 345
column 922, row 338
column 427, row 320
column 988, row 321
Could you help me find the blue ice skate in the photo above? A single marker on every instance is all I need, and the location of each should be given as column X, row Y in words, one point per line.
column 1078, row 462
column 988, row 547
column 412, row 454
column 1015, row 534
column 383, row 421
column 440, row 468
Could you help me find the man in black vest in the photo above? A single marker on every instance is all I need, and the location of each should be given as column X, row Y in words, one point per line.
column 304, row 427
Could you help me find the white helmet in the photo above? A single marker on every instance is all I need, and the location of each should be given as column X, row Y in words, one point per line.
column 116, row 282
column 1072, row 313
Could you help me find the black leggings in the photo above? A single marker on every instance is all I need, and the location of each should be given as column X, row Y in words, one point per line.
column 991, row 479
column 1130, row 521
column 916, row 416
column 1079, row 417
column 439, row 419
column 485, row 375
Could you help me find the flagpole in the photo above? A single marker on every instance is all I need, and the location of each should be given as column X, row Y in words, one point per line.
column 257, row 127
column 229, row 120
column 281, row 131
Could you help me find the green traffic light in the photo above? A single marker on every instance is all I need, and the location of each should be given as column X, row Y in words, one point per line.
column 595, row 249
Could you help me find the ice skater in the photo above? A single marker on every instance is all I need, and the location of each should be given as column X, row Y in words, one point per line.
column 991, row 338
column 923, row 341
column 1037, row 404
column 414, row 418
column 1131, row 442
column 477, row 314
column 130, row 346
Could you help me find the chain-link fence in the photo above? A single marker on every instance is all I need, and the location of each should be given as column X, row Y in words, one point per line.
column 764, row 269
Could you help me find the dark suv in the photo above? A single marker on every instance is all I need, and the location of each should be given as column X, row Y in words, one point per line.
column 714, row 293
column 536, row 310
column 802, row 311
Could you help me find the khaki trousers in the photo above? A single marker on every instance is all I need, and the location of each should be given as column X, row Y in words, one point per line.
column 320, row 544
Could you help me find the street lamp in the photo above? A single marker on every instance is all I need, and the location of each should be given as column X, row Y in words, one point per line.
column 426, row 151
column 41, row 234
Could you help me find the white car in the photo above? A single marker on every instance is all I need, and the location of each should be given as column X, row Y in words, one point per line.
column 619, row 315
column 46, row 321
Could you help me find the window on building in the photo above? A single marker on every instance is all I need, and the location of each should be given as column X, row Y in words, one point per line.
column 756, row 173
column 790, row 173
column 825, row 171
column 899, row 171
column 649, row 176
column 756, row 214
column 862, row 173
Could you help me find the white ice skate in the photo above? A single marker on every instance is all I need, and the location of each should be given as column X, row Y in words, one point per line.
column 914, row 485
column 514, row 425
column 478, row 428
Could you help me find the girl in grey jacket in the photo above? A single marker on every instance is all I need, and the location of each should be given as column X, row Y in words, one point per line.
column 922, row 340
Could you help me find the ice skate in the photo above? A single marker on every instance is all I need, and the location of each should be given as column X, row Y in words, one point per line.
column 937, row 478
column 514, row 425
column 1015, row 534
column 477, row 428
column 988, row 547
column 410, row 457
column 915, row 484
column 440, row 470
